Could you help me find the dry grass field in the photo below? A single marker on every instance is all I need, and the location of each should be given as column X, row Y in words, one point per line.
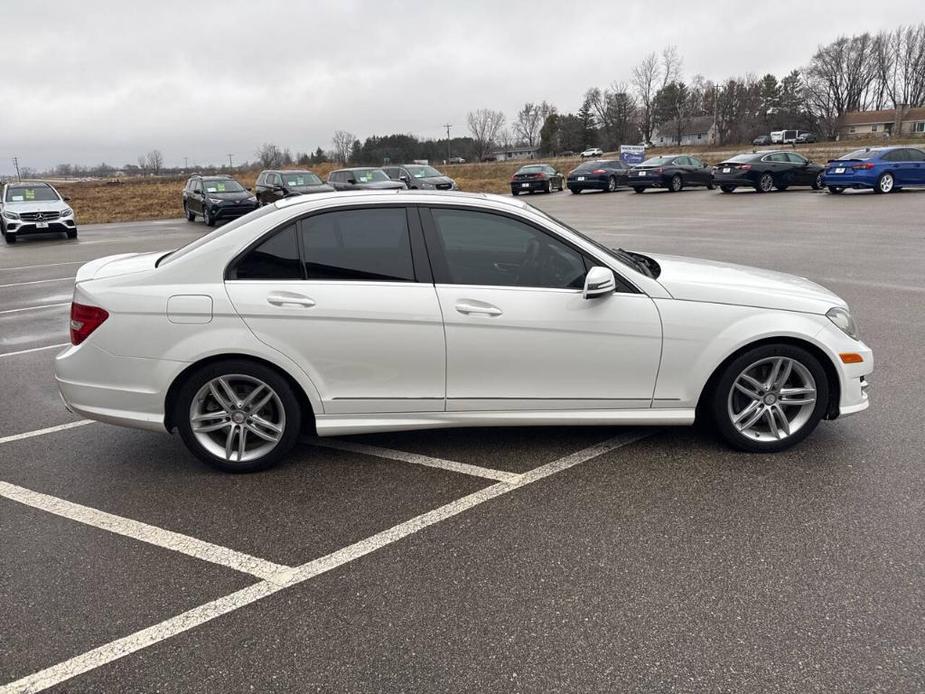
column 160, row 198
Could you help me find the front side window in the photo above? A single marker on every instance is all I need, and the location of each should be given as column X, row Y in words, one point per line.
column 358, row 245
column 795, row 158
column 915, row 154
column 481, row 248
column 277, row 258
column 370, row 176
column 894, row 155
column 305, row 178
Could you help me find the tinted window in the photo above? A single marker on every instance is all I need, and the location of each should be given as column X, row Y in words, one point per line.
column 895, row 155
column 915, row 154
column 795, row 158
column 695, row 162
column 358, row 245
column 487, row 249
column 277, row 258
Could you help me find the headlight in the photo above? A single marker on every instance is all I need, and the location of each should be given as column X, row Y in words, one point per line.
column 215, row 201
column 427, row 186
column 842, row 318
column 67, row 212
column 10, row 215
column 252, row 198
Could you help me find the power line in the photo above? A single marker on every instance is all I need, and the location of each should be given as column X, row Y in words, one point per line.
column 447, row 126
column 16, row 164
column 230, row 162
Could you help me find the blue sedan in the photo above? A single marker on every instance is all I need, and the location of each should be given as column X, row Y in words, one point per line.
column 883, row 169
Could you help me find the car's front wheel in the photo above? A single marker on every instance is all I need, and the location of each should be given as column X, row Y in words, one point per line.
column 237, row 415
column 727, row 189
column 836, row 190
column 71, row 233
column 770, row 398
column 676, row 184
column 611, row 184
column 765, row 183
column 207, row 217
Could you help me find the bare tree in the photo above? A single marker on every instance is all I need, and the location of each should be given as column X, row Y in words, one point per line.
column 841, row 78
column 671, row 65
column 269, row 155
column 342, row 142
column 484, row 125
column 528, row 123
column 899, row 61
column 143, row 163
column 646, row 76
column 155, row 161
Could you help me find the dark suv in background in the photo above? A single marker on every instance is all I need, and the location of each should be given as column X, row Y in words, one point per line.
column 420, row 176
column 274, row 185
column 216, row 197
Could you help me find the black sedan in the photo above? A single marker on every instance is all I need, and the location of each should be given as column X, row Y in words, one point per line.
column 672, row 172
column 274, row 185
column 765, row 171
column 536, row 178
column 606, row 175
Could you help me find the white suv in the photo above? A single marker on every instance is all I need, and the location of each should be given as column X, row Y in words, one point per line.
column 592, row 152
column 34, row 208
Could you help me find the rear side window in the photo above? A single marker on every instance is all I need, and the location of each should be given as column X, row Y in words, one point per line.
column 915, row 154
column 795, row 158
column 277, row 258
column 358, row 245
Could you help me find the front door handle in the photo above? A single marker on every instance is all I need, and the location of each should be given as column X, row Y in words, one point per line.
column 468, row 306
column 290, row 298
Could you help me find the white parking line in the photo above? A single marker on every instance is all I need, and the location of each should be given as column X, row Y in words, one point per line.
column 34, row 349
column 30, row 267
column 119, row 648
column 47, row 430
column 35, row 308
column 419, row 459
column 21, row 284
column 184, row 544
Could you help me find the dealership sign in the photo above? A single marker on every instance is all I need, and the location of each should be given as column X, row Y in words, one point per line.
column 632, row 154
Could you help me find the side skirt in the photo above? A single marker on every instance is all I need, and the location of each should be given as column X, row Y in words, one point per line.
column 341, row 425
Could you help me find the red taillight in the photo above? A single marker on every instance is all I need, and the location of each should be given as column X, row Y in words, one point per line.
column 658, row 170
column 863, row 167
column 744, row 167
column 539, row 175
column 599, row 171
column 84, row 320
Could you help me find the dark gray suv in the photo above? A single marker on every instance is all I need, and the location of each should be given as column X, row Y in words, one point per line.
column 363, row 178
column 420, row 176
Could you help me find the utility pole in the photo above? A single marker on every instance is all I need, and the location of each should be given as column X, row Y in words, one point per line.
column 230, row 162
column 185, row 163
column 16, row 164
column 447, row 126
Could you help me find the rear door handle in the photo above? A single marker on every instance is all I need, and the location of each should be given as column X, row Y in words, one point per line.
column 468, row 306
column 290, row 299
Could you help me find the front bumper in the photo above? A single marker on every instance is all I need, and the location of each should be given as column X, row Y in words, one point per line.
column 21, row 228
column 232, row 211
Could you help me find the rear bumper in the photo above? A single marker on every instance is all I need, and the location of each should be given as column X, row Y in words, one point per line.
column 533, row 186
column 730, row 180
column 647, row 182
column 852, row 180
column 594, row 183
column 118, row 390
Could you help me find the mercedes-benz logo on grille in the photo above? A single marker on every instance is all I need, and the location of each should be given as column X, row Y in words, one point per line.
column 40, row 217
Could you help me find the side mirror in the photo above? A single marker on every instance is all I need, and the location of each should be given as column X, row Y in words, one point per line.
column 66, row 198
column 352, row 181
column 249, row 190
column 406, row 179
column 599, row 282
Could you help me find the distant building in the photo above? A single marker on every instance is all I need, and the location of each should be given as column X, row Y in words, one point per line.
column 894, row 121
column 524, row 152
column 699, row 130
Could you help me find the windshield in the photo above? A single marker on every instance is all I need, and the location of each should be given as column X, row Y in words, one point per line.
column 369, row 176
column 224, row 185
column 862, row 154
column 657, row 161
column 531, row 169
column 31, row 194
column 221, row 231
column 740, row 158
column 301, row 179
column 423, row 171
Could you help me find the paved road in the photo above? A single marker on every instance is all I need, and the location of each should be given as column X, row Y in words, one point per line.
column 664, row 564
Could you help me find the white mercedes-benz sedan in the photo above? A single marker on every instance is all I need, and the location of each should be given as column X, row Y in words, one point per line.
column 381, row 311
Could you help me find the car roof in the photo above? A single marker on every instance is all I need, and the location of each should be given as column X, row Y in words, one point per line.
column 26, row 184
column 282, row 171
column 359, row 168
column 402, row 195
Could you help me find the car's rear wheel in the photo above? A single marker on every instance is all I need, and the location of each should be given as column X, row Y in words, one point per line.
column 727, row 189
column 576, row 191
column 190, row 215
column 885, row 183
column 611, row 184
column 237, row 415
column 548, row 187
column 770, row 398
column 676, row 184
column 711, row 186
column 765, row 183
column 817, row 183
column 836, row 190
column 639, row 189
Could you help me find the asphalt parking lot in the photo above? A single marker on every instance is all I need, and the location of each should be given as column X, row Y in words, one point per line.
column 582, row 559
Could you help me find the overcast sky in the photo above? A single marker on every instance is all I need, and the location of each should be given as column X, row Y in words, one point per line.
column 91, row 81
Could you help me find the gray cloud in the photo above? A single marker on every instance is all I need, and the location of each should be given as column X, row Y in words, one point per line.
column 105, row 81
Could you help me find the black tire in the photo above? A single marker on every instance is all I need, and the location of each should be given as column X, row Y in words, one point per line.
column 548, row 188
column 515, row 193
column 575, row 191
column 207, row 218
column 190, row 215
column 71, row 233
column 611, row 185
column 676, row 184
column 639, row 189
column 765, row 183
column 711, row 186
column 9, row 238
column 817, row 182
column 719, row 398
column 727, row 189
column 196, row 380
column 836, row 190
column 885, row 183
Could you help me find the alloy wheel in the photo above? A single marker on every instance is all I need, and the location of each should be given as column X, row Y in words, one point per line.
column 237, row 417
column 765, row 183
column 772, row 399
column 885, row 184
column 611, row 184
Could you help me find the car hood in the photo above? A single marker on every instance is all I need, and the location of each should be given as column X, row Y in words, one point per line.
column 235, row 195
column 114, row 265
column 320, row 188
column 381, row 185
column 39, row 206
column 693, row 279
column 435, row 180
